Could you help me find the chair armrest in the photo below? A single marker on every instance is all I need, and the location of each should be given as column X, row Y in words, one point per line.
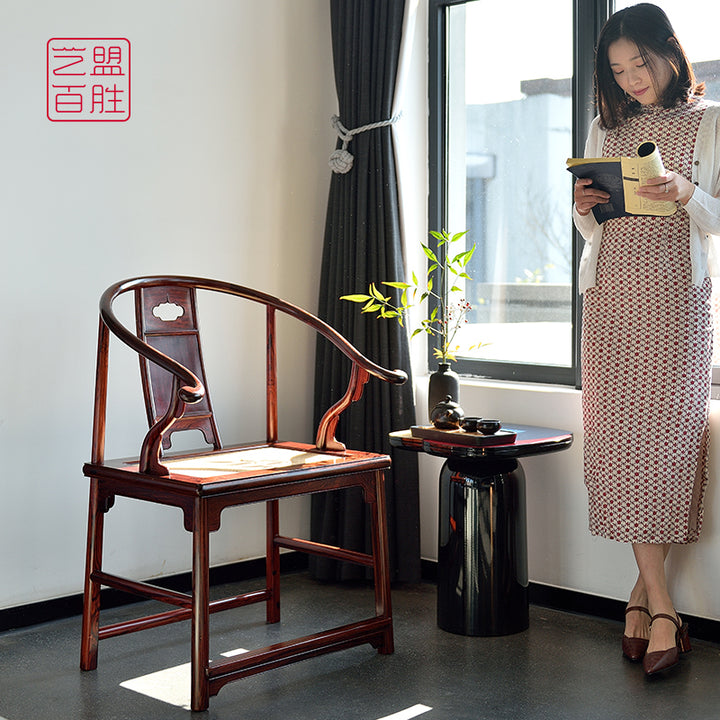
column 397, row 377
column 362, row 367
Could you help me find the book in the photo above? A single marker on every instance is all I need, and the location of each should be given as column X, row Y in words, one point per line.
column 620, row 176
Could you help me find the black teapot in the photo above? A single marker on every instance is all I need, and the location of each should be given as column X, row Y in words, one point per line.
column 447, row 415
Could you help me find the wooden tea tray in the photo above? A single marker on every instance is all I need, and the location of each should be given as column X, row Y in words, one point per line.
column 460, row 437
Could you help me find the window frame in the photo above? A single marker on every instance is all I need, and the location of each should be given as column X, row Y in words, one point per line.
column 593, row 13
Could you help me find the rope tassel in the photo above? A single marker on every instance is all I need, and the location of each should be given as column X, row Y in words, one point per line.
column 341, row 160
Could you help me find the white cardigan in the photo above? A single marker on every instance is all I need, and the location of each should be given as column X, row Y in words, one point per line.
column 703, row 207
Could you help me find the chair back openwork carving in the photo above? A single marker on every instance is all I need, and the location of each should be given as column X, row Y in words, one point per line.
column 202, row 484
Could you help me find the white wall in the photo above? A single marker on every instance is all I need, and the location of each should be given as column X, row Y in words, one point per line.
column 221, row 171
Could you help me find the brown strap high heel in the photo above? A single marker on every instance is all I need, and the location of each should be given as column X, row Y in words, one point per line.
column 634, row 648
column 660, row 660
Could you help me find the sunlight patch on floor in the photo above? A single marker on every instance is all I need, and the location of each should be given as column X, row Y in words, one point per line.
column 407, row 714
column 171, row 686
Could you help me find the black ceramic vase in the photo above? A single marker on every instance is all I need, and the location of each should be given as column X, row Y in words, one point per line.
column 443, row 382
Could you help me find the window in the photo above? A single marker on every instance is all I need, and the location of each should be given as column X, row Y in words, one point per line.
column 510, row 99
column 505, row 113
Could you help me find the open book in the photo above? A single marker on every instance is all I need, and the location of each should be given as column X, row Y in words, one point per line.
column 620, row 176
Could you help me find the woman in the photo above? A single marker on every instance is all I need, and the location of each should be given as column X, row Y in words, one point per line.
column 647, row 330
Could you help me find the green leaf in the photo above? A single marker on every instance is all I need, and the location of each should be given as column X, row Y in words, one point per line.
column 430, row 254
column 355, row 298
column 377, row 294
column 400, row 285
column 389, row 313
column 464, row 257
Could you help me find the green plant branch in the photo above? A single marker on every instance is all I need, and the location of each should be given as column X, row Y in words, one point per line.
column 442, row 322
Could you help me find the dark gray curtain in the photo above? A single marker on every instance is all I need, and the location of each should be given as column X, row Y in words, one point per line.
column 362, row 244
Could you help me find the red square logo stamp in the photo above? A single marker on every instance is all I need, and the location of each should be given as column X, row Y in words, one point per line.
column 88, row 79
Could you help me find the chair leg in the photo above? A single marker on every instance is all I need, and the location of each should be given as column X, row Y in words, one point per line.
column 381, row 563
column 272, row 563
column 91, row 593
column 200, row 652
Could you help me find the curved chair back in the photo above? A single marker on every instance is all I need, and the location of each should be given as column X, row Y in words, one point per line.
column 167, row 340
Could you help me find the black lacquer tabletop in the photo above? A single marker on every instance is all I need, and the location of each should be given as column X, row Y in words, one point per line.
column 530, row 440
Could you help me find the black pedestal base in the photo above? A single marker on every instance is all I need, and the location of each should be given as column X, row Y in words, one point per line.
column 482, row 547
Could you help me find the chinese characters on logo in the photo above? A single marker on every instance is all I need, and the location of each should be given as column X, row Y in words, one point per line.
column 88, row 79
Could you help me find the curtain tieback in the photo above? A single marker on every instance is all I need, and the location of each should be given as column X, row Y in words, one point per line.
column 341, row 161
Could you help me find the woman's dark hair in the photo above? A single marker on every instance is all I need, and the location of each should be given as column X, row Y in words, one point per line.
column 648, row 27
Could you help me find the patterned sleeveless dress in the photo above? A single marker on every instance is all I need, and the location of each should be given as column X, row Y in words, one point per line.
column 647, row 359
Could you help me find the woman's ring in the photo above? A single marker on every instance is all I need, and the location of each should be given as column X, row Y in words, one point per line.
column 666, row 187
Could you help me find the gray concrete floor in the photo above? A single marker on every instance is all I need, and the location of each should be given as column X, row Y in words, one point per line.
column 566, row 666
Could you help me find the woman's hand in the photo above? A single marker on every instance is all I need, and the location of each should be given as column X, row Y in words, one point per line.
column 586, row 197
column 670, row 186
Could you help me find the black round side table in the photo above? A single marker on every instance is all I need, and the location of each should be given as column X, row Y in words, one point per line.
column 482, row 538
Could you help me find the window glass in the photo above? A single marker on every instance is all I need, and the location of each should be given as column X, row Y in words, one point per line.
column 509, row 131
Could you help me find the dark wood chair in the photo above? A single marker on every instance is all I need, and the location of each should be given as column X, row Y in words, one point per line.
column 203, row 484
